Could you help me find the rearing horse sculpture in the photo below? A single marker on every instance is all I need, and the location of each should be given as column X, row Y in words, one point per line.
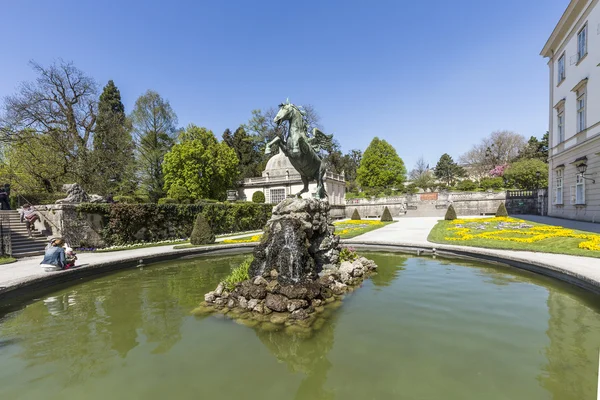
column 299, row 149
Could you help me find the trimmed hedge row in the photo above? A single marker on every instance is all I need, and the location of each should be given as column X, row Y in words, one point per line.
column 125, row 223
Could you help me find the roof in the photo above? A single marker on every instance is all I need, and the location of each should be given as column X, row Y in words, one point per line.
column 279, row 165
column 563, row 26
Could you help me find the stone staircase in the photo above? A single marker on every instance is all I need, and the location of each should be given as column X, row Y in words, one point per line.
column 424, row 209
column 22, row 245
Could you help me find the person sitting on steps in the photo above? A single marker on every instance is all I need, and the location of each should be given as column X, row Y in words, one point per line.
column 29, row 216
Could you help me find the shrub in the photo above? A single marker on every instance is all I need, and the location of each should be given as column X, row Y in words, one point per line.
column 502, row 211
column 386, row 216
column 491, row 183
column 348, row 254
column 132, row 199
column 202, row 232
column 450, row 213
column 258, row 197
column 239, row 274
column 355, row 215
column 466, row 185
column 168, row 200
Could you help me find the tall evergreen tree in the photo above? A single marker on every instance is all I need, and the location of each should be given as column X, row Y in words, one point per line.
column 154, row 124
column 447, row 170
column 113, row 151
column 246, row 150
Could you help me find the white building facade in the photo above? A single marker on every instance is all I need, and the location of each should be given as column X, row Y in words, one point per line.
column 280, row 179
column 573, row 50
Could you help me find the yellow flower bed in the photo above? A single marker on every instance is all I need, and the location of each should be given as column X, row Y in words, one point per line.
column 359, row 222
column 515, row 233
column 251, row 239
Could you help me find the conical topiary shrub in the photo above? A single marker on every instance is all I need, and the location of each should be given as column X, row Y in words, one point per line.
column 502, row 211
column 450, row 213
column 387, row 215
column 355, row 215
column 202, row 233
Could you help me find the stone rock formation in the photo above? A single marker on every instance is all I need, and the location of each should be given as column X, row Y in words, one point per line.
column 76, row 194
column 299, row 242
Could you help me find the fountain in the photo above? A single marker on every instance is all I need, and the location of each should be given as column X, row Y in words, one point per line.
column 299, row 266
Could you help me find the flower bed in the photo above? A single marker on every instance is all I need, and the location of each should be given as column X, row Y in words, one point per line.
column 350, row 228
column 251, row 239
column 516, row 234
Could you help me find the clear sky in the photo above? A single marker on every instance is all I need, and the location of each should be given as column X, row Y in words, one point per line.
column 428, row 76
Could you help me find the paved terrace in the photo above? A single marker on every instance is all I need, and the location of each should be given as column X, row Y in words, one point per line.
column 409, row 233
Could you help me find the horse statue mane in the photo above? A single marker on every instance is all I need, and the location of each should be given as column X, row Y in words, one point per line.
column 302, row 151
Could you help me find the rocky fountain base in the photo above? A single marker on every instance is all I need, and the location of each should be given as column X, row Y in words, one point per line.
column 299, row 270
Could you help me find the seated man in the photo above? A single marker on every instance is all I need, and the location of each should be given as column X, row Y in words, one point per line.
column 29, row 216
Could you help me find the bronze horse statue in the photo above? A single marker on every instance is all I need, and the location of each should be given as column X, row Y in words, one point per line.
column 302, row 151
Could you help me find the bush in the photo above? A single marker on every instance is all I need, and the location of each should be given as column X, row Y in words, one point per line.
column 36, row 199
column 347, row 254
column 491, row 183
column 411, row 188
column 467, row 185
column 258, row 197
column 355, row 215
column 386, row 216
column 130, row 223
column 239, row 274
column 202, row 232
column 502, row 211
column 168, row 200
column 133, row 199
column 450, row 213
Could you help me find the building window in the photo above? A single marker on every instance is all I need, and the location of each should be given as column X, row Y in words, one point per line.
column 560, row 123
column 277, row 195
column 580, row 190
column 582, row 43
column 581, row 98
column 561, row 68
column 558, row 194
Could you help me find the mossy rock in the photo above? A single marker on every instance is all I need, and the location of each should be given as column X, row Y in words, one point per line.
column 355, row 215
column 202, row 232
column 450, row 213
column 387, row 215
column 502, row 212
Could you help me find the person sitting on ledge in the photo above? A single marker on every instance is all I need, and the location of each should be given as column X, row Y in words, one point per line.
column 54, row 258
column 71, row 257
column 29, row 216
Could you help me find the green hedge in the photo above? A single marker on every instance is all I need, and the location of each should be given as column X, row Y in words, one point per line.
column 173, row 221
column 36, row 199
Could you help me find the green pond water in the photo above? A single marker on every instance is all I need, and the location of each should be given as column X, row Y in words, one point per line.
column 420, row 329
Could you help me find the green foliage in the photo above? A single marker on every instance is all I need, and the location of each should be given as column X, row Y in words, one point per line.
column 348, row 254
column 113, row 151
column 36, row 199
column 132, row 199
column 381, row 167
column 355, row 215
column 535, row 148
column 247, row 151
column 154, row 123
column 466, row 185
column 491, row 183
column 387, row 215
column 523, row 174
column 200, row 166
column 202, row 233
column 502, row 211
column 411, row 188
column 130, row 223
column 239, row 274
column 450, row 213
column 448, row 171
column 168, row 200
column 258, row 197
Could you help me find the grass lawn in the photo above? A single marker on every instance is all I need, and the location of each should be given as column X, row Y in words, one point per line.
column 7, row 260
column 351, row 228
column 515, row 234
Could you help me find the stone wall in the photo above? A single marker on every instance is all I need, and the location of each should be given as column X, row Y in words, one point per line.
column 65, row 221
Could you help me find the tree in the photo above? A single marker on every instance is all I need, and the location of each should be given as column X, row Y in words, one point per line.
column 246, row 149
column 202, row 232
column 450, row 213
column 355, row 215
column 535, row 149
column 421, row 175
column 381, row 167
column 58, row 110
column 199, row 163
column 154, row 124
column 447, row 170
column 113, row 151
column 386, row 216
column 523, row 174
column 499, row 148
column 501, row 212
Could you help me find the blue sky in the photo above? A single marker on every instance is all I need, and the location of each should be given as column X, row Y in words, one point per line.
column 429, row 77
